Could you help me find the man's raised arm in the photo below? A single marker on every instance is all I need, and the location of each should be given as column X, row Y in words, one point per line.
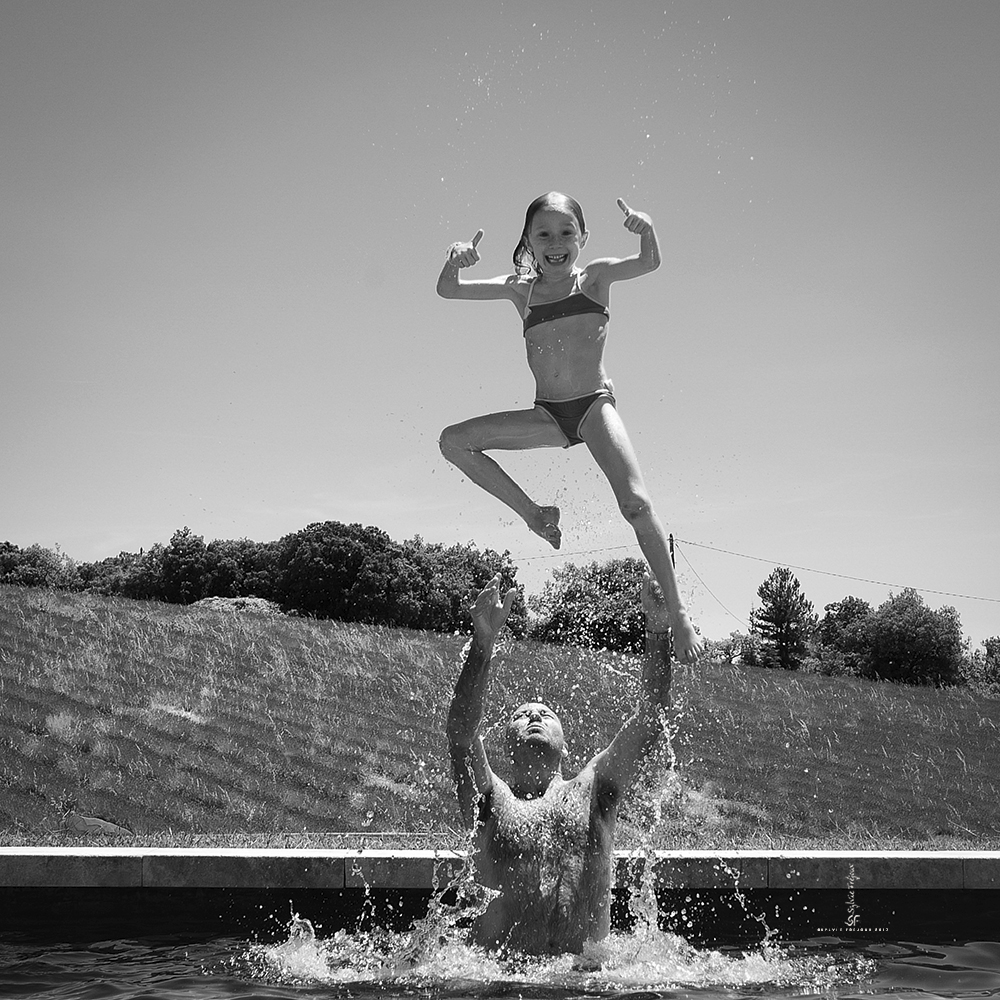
column 470, row 768
column 619, row 765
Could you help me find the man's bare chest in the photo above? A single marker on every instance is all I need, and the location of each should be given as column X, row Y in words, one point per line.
column 557, row 824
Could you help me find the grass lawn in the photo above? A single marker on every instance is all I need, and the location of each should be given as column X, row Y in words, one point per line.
column 204, row 726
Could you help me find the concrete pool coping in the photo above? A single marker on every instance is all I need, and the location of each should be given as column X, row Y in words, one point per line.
column 123, row 867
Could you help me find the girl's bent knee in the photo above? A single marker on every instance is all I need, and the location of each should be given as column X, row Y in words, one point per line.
column 452, row 442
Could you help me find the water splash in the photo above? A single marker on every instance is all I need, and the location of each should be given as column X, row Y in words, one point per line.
column 435, row 955
column 769, row 933
column 643, row 959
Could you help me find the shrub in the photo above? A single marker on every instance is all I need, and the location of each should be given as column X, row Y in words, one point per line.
column 745, row 649
column 596, row 605
column 841, row 638
column 451, row 577
column 328, row 569
column 826, row 660
column 37, row 566
column 143, row 579
column 240, row 568
column 908, row 642
column 981, row 669
column 184, row 569
column 350, row 572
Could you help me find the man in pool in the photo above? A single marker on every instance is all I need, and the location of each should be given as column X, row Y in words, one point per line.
column 544, row 842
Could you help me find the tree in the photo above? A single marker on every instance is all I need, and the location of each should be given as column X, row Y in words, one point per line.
column 184, row 568
column 992, row 655
column 981, row 669
column 349, row 572
column 784, row 621
column 841, row 620
column 37, row 566
column 107, row 576
column 327, row 569
column 743, row 649
column 452, row 577
column 595, row 605
column 10, row 558
column 134, row 575
column 240, row 568
column 908, row 642
column 842, row 637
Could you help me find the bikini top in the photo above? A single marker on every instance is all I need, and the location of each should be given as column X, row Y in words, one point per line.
column 573, row 304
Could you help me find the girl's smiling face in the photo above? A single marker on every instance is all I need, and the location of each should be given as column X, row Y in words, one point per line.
column 556, row 241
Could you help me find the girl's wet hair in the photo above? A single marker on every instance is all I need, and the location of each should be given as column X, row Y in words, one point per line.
column 524, row 259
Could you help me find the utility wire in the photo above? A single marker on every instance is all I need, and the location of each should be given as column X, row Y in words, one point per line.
column 842, row 576
column 772, row 562
column 709, row 589
column 579, row 552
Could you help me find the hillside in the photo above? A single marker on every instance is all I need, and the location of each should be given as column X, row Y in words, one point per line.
column 205, row 724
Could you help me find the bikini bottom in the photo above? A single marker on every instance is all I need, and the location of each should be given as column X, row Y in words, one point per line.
column 570, row 414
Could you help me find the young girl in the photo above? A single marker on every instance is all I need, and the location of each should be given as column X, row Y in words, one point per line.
column 564, row 309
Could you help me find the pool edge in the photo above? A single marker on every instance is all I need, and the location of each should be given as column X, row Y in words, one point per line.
column 96, row 867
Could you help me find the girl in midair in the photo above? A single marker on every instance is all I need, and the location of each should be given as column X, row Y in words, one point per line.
column 564, row 309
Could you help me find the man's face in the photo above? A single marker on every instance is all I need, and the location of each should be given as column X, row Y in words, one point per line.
column 535, row 723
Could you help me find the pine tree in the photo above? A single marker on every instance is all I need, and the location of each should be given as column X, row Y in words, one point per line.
column 784, row 620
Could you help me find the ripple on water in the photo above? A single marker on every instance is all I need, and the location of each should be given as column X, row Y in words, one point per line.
column 944, row 969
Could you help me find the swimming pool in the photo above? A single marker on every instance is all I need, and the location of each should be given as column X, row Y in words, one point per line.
column 180, row 944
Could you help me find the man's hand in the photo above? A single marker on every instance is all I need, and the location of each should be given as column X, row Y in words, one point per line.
column 488, row 614
column 656, row 673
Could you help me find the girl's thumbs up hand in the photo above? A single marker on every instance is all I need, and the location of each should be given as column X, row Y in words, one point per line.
column 635, row 222
column 465, row 254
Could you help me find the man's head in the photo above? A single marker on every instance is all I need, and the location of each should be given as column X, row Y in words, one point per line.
column 534, row 733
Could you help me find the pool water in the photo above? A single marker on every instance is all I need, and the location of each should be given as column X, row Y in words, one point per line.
column 177, row 968
column 281, row 953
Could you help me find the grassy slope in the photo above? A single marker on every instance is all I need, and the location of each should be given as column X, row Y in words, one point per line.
column 194, row 726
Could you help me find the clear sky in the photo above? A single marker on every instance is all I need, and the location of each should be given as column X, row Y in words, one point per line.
column 223, row 221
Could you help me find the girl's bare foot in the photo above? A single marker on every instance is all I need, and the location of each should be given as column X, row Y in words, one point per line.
column 687, row 643
column 545, row 524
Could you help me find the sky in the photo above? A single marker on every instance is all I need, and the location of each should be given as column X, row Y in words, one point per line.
column 223, row 223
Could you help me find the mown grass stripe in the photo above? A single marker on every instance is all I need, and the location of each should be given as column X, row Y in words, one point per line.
column 180, row 723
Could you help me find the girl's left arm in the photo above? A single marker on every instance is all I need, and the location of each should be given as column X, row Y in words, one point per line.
column 646, row 260
column 649, row 247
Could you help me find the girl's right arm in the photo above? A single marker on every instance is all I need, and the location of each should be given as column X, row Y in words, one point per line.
column 451, row 286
